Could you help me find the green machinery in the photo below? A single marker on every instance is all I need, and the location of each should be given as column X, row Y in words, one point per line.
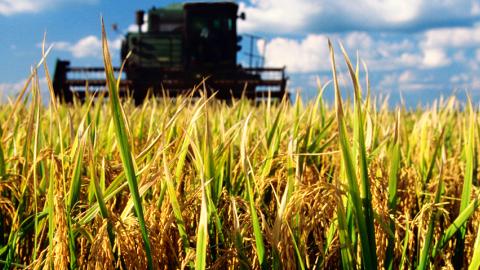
column 182, row 46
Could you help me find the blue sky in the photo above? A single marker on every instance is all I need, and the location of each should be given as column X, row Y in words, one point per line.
column 419, row 49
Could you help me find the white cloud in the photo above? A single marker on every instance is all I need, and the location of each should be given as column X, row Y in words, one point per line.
column 436, row 44
column 434, row 58
column 454, row 37
column 386, row 52
column 307, row 55
column 439, row 47
column 440, row 43
column 89, row 46
column 407, row 81
column 311, row 53
column 459, row 78
column 375, row 13
column 407, row 76
column 11, row 7
column 409, row 59
column 283, row 15
column 306, row 16
column 476, row 8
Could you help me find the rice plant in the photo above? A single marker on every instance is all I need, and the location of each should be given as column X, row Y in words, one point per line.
column 197, row 183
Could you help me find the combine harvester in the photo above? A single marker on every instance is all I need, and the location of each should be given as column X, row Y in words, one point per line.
column 182, row 46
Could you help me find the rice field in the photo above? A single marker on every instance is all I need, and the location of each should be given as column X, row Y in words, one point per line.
column 196, row 183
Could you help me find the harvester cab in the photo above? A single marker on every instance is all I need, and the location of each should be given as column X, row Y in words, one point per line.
column 181, row 46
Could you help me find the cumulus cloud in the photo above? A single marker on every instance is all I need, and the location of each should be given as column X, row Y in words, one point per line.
column 460, row 78
column 407, row 76
column 311, row 54
column 434, row 58
column 307, row 55
column 306, row 16
column 453, row 37
column 432, row 49
column 408, row 80
column 89, row 46
column 283, row 15
column 442, row 46
column 11, row 7
column 398, row 61
column 408, row 45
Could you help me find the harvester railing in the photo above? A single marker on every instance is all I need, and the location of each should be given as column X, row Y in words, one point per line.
column 78, row 81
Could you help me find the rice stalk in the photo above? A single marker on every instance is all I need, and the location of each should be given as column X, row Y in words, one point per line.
column 458, row 223
column 365, row 193
column 395, row 160
column 469, row 179
column 247, row 169
column 425, row 252
column 124, row 146
column 358, row 203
